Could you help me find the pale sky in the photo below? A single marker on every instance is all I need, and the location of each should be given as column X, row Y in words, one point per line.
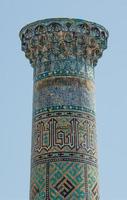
column 16, row 93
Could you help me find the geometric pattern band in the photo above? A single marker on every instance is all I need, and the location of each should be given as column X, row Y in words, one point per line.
column 63, row 53
column 64, row 168
column 64, row 180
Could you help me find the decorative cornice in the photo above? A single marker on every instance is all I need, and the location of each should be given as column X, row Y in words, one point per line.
column 63, row 38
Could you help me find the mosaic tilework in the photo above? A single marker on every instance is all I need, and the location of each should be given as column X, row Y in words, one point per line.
column 54, row 40
column 66, row 67
column 63, row 53
column 64, row 180
column 63, row 132
column 67, row 180
column 64, row 91
column 38, row 182
column 92, row 183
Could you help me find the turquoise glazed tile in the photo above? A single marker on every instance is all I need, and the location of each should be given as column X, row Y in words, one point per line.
column 63, row 53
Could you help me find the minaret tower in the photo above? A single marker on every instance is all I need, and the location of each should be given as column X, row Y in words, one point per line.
column 63, row 53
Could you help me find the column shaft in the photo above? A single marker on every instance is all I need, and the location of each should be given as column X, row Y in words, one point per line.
column 63, row 53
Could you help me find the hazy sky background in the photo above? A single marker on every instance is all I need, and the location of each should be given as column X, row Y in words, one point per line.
column 16, row 93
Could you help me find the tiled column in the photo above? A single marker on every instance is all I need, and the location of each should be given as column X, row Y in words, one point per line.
column 63, row 53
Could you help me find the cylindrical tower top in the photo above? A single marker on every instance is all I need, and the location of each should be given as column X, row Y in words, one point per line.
column 63, row 38
column 63, row 53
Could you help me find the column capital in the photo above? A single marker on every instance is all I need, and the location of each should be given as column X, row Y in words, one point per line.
column 55, row 39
